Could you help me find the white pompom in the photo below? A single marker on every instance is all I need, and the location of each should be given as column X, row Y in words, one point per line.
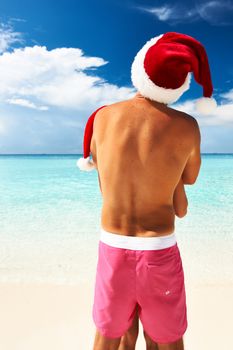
column 206, row 105
column 85, row 164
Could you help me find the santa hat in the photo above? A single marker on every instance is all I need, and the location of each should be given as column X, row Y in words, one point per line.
column 161, row 70
column 86, row 163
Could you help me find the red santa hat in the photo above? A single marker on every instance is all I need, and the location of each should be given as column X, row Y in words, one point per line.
column 85, row 163
column 161, row 70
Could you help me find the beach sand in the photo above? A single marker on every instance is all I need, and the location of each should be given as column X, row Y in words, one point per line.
column 46, row 316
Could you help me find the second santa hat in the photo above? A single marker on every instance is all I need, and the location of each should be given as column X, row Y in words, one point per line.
column 161, row 70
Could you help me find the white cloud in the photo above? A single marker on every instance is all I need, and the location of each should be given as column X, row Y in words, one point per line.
column 217, row 13
column 26, row 103
column 172, row 14
column 214, row 12
column 222, row 116
column 163, row 13
column 227, row 95
column 8, row 37
column 56, row 78
column 61, row 131
column 47, row 95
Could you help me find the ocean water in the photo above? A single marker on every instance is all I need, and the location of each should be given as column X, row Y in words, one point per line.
column 50, row 220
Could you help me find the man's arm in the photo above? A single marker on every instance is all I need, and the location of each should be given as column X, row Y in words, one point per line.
column 93, row 153
column 192, row 167
column 180, row 201
column 100, row 183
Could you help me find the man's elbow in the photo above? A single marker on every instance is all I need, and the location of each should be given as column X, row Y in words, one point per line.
column 190, row 177
column 189, row 180
column 182, row 210
column 181, row 213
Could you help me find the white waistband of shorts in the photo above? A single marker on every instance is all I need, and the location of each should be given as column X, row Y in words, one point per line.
column 137, row 243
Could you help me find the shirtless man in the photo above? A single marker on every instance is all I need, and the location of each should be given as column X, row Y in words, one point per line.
column 145, row 152
column 161, row 148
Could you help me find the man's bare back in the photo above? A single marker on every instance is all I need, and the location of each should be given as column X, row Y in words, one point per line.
column 141, row 148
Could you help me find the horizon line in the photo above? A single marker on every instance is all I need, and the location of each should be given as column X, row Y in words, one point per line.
column 70, row 154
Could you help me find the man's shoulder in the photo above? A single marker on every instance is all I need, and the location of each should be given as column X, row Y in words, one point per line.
column 191, row 122
column 118, row 104
column 109, row 108
column 102, row 114
column 188, row 119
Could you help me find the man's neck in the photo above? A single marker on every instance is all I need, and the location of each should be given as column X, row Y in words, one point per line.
column 156, row 103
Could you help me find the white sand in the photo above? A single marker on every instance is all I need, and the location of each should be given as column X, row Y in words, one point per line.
column 48, row 317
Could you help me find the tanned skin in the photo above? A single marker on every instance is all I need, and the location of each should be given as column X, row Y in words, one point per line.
column 144, row 152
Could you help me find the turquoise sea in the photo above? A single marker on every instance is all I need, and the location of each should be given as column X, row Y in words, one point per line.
column 50, row 220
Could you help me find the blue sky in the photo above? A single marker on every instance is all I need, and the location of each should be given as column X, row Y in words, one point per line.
column 59, row 61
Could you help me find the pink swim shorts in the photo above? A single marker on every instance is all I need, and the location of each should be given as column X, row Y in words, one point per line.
column 144, row 273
